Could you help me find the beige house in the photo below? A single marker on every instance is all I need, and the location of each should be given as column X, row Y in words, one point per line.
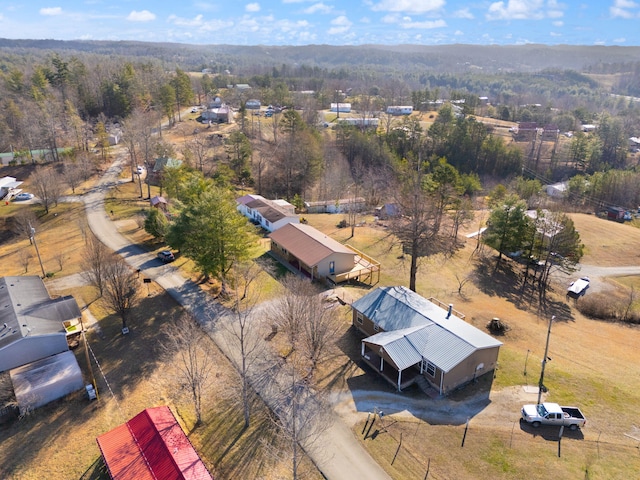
column 321, row 257
column 410, row 339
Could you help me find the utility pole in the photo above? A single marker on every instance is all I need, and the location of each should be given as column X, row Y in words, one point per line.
column 33, row 240
column 544, row 361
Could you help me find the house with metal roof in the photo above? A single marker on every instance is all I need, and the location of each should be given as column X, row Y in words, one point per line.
column 410, row 338
column 151, row 446
column 269, row 214
column 319, row 256
column 31, row 322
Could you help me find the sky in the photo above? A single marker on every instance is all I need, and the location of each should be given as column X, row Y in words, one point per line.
column 332, row 22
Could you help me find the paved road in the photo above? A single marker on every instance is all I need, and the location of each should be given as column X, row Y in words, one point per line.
column 337, row 453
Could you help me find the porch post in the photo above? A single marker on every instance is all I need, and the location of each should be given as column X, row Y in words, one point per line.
column 381, row 363
column 441, row 380
column 399, row 379
column 362, row 348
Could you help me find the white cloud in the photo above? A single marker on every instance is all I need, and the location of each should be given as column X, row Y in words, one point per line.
column 141, row 16
column 340, row 25
column 409, row 6
column 458, row 33
column 621, row 8
column 318, row 8
column 558, row 23
column 51, row 11
column 515, row 10
column 252, row 7
column 407, row 23
column 525, row 10
column 186, row 22
column 463, row 13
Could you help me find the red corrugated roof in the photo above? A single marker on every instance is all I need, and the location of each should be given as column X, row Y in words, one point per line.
column 151, row 446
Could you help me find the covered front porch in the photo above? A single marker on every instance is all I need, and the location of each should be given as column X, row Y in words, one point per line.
column 399, row 378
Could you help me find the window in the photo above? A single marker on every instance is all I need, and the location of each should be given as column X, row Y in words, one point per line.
column 359, row 317
column 429, row 367
column 376, row 327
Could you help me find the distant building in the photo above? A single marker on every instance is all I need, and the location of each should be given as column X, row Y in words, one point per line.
column 361, row 122
column 400, row 110
column 253, row 104
column 588, row 128
column 340, row 205
column 550, row 132
column 341, row 107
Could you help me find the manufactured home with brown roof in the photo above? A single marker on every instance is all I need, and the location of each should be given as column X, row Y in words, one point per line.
column 321, row 257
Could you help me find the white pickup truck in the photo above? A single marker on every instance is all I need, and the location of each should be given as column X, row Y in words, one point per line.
column 553, row 414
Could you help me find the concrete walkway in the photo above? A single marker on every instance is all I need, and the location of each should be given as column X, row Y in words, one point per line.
column 337, row 453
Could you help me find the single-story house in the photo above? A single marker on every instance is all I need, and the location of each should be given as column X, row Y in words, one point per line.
column 340, row 205
column 321, row 257
column 269, row 214
column 9, row 186
column 31, row 322
column 361, row 122
column 253, row 104
column 409, row 337
column 525, row 132
column 550, row 132
column 400, row 109
column 340, row 107
column 220, row 114
column 151, row 446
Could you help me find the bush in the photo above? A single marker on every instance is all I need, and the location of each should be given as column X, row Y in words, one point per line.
column 342, row 224
column 601, row 306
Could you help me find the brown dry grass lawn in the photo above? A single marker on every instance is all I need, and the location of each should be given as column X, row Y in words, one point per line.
column 594, row 365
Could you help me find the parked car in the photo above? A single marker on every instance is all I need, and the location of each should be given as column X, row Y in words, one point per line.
column 23, row 196
column 139, row 169
column 166, row 256
column 553, row 414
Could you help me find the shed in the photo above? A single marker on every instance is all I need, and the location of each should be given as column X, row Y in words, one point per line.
column 400, row 109
column 408, row 336
column 151, row 446
column 578, row 288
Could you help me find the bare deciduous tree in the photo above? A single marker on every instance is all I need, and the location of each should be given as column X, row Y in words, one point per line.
column 25, row 257
column 95, row 259
column 23, row 221
column 302, row 416
column 72, row 174
column 305, row 318
column 121, row 287
column 60, row 257
column 244, row 336
column 47, row 185
column 187, row 342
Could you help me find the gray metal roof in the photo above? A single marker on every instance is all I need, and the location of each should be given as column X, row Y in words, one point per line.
column 445, row 340
column 399, row 345
column 27, row 309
